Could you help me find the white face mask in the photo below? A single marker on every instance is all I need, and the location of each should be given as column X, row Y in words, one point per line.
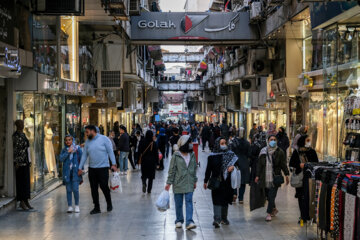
column 308, row 144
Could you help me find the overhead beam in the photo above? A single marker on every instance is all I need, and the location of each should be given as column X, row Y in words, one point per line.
column 180, row 86
column 193, row 57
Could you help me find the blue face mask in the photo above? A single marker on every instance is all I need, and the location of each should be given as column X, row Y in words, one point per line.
column 223, row 147
column 272, row 143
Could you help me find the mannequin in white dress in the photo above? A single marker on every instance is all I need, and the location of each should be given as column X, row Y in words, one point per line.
column 49, row 149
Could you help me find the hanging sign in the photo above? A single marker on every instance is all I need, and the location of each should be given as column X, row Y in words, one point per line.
column 180, row 26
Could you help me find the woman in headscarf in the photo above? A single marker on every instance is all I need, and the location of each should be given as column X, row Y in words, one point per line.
column 298, row 159
column 272, row 129
column 221, row 163
column 161, row 143
column 271, row 162
column 149, row 158
column 301, row 132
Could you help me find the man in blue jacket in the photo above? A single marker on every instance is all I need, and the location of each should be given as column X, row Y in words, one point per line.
column 98, row 149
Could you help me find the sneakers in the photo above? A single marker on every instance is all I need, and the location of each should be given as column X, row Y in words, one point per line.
column 190, row 226
column 125, row 173
column 225, row 222
column 216, row 224
column 268, row 218
column 178, row 225
column 70, row 210
column 109, row 208
column 77, row 209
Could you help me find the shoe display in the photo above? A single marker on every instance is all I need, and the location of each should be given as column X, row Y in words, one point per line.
column 178, row 225
column 77, row 209
column 191, row 226
column 70, row 210
column 95, row 211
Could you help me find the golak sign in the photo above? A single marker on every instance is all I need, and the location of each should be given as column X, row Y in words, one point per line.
column 180, row 27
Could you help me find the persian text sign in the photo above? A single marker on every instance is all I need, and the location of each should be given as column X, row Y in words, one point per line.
column 181, row 26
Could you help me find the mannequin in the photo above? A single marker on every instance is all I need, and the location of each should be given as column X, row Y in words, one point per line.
column 49, row 149
column 29, row 133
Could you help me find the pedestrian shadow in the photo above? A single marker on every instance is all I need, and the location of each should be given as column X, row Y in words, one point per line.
column 190, row 235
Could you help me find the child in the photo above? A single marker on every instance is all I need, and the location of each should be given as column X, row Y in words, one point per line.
column 70, row 156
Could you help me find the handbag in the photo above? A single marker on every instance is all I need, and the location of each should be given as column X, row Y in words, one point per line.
column 214, row 183
column 141, row 155
column 296, row 180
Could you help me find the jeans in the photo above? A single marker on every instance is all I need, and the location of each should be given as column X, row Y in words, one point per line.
column 167, row 149
column 271, row 195
column 179, row 200
column 99, row 176
column 220, row 213
column 123, row 159
column 72, row 187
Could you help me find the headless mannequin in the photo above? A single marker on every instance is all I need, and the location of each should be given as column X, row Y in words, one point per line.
column 49, row 149
column 29, row 132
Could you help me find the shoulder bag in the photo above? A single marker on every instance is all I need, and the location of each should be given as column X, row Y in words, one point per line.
column 214, row 183
column 141, row 155
column 296, row 180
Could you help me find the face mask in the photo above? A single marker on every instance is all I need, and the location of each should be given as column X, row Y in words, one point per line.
column 90, row 137
column 187, row 148
column 272, row 143
column 308, row 144
column 223, row 147
column 190, row 146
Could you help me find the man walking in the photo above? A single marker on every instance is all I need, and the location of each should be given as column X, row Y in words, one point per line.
column 98, row 149
column 124, row 149
column 205, row 135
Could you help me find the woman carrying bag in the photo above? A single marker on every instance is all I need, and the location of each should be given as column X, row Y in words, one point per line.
column 217, row 178
column 272, row 162
column 298, row 159
column 149, row 158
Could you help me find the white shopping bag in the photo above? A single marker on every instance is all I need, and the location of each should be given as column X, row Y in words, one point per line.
column 163, row 201
column 235, row 178
column 115, row 182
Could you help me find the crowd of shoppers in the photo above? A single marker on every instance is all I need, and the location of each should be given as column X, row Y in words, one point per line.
column 262, row 160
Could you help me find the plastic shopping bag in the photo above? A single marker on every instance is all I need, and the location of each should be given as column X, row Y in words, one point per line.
column 235, row 178
column 163, row 201
column 115, row 182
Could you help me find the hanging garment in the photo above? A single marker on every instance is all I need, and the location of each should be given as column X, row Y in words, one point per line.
column 332, row 207
column 317, row 199
column 341, row 214
column 349, row 217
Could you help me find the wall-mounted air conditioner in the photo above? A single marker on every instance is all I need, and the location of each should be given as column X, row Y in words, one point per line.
column 108, row 79
column 257, row 63
column 249, row 84
column 134, row 7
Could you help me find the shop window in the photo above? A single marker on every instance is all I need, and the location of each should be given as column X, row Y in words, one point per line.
column 44, row 44
column 73, row 117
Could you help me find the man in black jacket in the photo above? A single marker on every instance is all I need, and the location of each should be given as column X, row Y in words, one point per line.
column 124, row 149
column 224, row 128
column 205, row 135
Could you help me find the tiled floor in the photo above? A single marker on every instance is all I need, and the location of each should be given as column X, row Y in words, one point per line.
column 136, row 217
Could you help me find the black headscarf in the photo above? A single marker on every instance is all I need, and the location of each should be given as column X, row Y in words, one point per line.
column 149, row 136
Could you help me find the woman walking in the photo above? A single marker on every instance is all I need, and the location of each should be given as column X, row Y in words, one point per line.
column 241, row 147
column 161, row 143
column 268, row 174
column 22, row 164
column 298, row 159
column 182, row 175
column 220, row 164
column 149, row 158
column 70, row 157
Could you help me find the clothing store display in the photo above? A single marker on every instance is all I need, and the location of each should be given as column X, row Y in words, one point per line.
column 49, row 149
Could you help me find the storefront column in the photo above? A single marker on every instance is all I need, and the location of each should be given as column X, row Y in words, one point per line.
column 9, row 166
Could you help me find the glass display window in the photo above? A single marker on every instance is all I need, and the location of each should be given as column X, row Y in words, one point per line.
column 42, row 126
column 44, row 44
column 73, row 118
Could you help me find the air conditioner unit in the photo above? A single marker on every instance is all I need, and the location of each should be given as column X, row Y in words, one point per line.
column 255, row 11
column 249, row 84
column 222, row 90
column 108, row 79
column 257, row 63
column 59, row 7
column 134, row 7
